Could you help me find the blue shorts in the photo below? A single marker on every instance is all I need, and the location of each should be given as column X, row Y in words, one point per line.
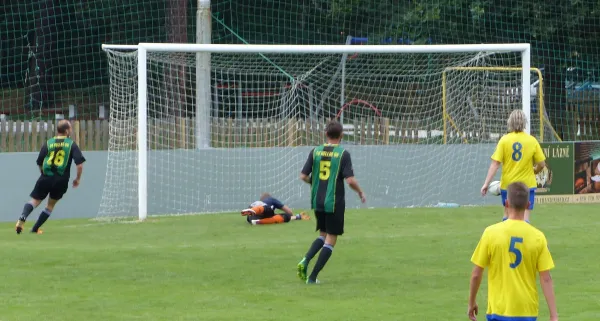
column 495, row 317
column 531, row 197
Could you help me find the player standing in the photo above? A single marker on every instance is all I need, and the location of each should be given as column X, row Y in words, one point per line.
column 521, row 157
column 514, row 251
column 54, row 161
column 330, row 164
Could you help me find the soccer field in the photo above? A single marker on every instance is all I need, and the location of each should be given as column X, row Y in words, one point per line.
column 392, row 264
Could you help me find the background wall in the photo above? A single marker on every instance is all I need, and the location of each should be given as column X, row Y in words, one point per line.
column 21, row 172
column 392, row 176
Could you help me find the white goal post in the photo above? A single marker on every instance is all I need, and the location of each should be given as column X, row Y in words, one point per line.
column 203, row 87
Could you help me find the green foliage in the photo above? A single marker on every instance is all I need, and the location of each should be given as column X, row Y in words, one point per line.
column 562, row 33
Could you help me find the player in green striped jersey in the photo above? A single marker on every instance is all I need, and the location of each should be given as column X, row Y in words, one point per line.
column 54, row 161
column 325, row 170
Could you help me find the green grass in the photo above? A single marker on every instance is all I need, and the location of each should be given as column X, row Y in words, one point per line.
column 393, row 264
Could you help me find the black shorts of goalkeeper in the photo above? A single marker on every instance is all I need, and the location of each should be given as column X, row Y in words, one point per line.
column 260, row 211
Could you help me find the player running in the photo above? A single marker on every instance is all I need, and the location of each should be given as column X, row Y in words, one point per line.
column 521, row 157
column 514, row 252
column 330, row 164
column 54, row 161
column 263, row 212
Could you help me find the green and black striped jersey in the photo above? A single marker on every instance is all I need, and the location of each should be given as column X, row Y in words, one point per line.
column 56, row 156
column 329, row 165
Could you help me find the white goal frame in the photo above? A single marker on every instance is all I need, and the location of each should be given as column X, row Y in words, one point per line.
column 203, row 70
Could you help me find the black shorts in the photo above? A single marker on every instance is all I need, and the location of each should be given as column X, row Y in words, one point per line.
column 53, row 185
column 330, row 223
column 267, row 213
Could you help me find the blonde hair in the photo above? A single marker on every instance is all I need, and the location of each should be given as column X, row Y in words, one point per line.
column 264, row 195
column 517, row 121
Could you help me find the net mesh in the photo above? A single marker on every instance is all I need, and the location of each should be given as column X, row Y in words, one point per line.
column 51, row 62
column 266, row 111
column 51, row 58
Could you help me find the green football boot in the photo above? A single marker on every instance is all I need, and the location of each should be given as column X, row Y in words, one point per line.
column 302, row 268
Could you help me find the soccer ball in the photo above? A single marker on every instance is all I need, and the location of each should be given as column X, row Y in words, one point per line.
column 494, row 188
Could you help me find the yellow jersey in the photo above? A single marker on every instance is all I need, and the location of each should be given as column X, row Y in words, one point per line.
column 514, row 251
column 518, row 152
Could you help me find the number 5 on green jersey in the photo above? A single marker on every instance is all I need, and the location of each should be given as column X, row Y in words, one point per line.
column 324, row 170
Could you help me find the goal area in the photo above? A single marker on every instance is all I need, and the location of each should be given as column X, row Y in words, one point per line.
column 206, row 128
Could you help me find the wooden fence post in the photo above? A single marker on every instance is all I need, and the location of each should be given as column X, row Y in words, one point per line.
column 386, row 131
column 11, row 136
column 291, row 132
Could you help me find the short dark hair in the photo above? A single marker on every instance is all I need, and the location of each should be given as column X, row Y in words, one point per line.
column 62, row 126
column 334, row 129
column 518, row 196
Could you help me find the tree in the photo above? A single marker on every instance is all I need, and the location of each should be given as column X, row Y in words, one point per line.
column 553, row 27
column 42, row 43
column 176, row 71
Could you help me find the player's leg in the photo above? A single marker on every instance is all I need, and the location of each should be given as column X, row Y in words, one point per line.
column 335, row 228
column 300, row 217
column 56, row 193
column 503, row 195
column 256, row 210
column 40, row 191
column 250, row 218
column 531, row 203
column 44, row 215
column 315, row 247
column 278, row 218
column 275, row 219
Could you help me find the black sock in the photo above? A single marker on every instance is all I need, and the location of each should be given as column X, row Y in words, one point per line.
column 41, row 220
column 314, row 248
column 27, row 209
column 321, row 261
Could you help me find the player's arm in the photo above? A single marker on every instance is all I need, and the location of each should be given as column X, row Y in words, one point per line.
column 497, row 158
column 481, row 259
column 307, row 169
column 79, row 160
column 492, row 170
column 41, row 157
column 538, row 167
column 287, row 210
column 539, row 159
column 348, row 174
column 280, row 206
column 475, row 282
column 548, row 289
column 544, row 265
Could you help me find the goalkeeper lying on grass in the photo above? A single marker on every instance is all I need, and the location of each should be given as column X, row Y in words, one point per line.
column 263, row 212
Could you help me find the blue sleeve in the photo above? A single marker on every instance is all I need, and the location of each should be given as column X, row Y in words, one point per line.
column 276, row 203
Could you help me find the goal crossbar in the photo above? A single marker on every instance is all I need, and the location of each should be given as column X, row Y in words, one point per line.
column 203, row 71
column 323, row 49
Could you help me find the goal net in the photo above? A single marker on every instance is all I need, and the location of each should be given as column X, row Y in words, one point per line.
column 419, row 123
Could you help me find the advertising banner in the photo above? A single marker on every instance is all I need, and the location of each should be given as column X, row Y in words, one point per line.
column 571, row 175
